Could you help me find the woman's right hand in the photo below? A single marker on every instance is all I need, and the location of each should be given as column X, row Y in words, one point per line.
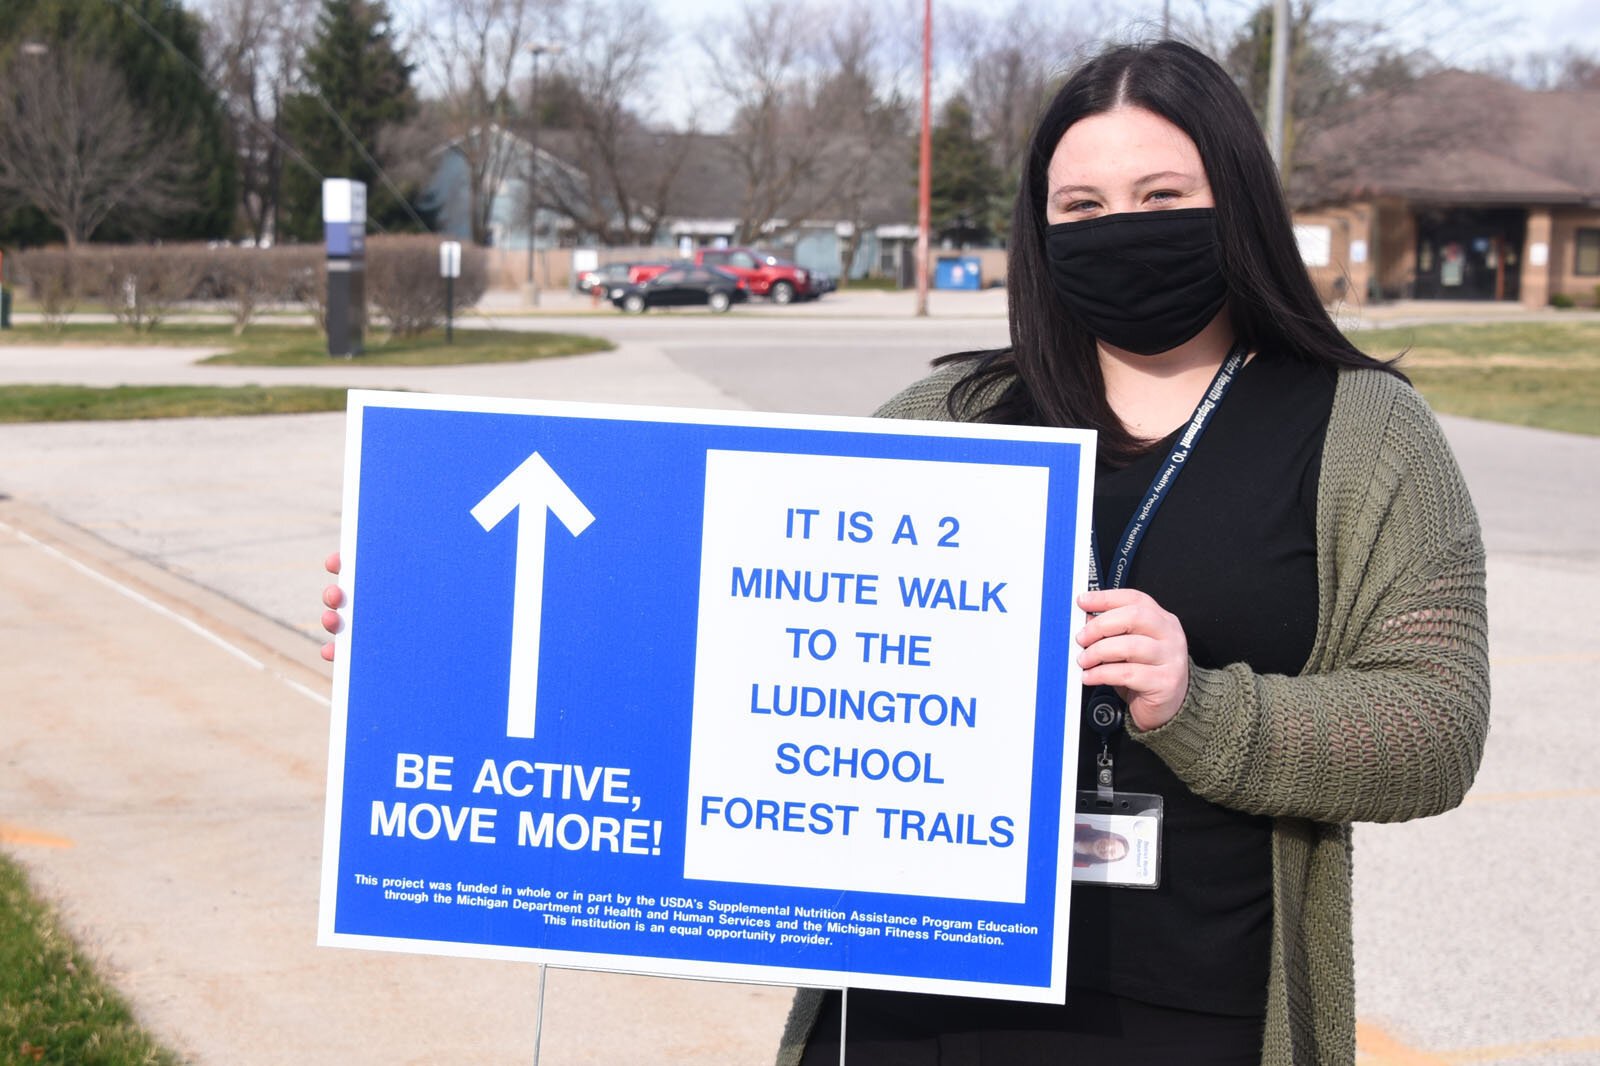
column 332, row 600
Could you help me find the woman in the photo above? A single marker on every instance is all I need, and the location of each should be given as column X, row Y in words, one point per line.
column 1091, row 846
column 1300, row 638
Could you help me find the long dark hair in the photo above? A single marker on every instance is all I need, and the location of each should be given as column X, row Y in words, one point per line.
column 1274, row 306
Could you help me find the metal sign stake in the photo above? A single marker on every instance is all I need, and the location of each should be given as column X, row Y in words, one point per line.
column 844, row 1012
column 538, row 1018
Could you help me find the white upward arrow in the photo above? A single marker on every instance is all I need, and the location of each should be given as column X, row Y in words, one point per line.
column 534, row 488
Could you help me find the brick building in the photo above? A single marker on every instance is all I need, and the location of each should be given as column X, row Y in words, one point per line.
column 1459, row 186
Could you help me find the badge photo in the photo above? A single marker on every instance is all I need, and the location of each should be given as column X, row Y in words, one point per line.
column 1119, row 847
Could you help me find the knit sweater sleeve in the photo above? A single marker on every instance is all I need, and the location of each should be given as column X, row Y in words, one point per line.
column 1388, row 720
column 928, row 400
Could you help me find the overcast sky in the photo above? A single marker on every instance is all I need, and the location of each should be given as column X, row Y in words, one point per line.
column 1473, row 30
column 1460, row 32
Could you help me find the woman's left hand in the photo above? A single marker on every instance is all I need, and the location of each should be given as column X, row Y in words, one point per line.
column 1131, row 644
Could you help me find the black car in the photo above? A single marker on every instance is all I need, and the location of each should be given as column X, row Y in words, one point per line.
column 683, row 286
column 603, row 278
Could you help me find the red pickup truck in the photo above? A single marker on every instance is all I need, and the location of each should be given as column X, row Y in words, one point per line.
column 763, row 274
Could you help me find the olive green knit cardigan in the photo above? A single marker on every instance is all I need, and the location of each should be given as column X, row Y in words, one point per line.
column 1387, row 721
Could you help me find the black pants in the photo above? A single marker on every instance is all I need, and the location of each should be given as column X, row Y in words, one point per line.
column 1093, row 1029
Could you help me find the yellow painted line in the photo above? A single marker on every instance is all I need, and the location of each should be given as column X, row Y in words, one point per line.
column 11, row 834
column 1375, row 1047
column 1521, row 1051
column 1476, row 798
column 1378, row 1048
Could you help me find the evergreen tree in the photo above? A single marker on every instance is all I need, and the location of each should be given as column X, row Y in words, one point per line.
column 155, row 46
column 966, row 185
column 354, row 70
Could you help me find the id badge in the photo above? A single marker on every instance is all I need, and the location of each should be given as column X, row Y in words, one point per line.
column 1117, row 842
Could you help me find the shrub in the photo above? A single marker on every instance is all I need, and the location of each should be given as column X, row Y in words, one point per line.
column 51, row 281
column 305, row 271
column 404, row 287
column 871, row 283
column 1561, row 301
column 140, row 284
column 250, row 280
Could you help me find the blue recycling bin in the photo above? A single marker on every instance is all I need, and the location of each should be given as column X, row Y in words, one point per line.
column 958, row 272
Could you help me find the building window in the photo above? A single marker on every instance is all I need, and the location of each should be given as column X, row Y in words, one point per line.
column 1586, row 261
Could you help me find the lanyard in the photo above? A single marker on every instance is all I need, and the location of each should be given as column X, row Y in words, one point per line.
column 1103, row 708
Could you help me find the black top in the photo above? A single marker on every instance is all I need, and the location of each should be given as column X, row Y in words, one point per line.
column 1232, row 553
column 1178, row 974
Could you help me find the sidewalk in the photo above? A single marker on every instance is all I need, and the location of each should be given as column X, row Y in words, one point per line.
column 165, row 759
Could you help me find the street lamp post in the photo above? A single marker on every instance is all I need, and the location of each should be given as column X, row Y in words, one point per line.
column 537, row 49
column 1277, row 85
column 925, row 162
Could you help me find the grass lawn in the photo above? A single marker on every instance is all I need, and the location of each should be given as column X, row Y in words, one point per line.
column 262, row 345
column 81, row 403
column 291, row 346
column 276, row 345
column 1543, row 374
column 54, row 1010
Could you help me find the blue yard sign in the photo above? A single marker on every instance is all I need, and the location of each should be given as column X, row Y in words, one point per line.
column 712, row 694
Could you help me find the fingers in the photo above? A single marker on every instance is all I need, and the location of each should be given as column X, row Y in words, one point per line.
column 333, row 622
column 1135, row 648
column 1110, row 599
column 332, row 599
column 1131, row 680
column 1121, row 612
column 1133, row 645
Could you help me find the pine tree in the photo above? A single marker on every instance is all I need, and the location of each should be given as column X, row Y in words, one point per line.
column 966, row 185
column 355, row 71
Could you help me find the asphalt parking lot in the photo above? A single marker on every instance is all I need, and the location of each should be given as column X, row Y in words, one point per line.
column 165, row 721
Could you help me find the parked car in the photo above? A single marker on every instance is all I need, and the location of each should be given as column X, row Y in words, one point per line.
column 681, row 286
column 823, row 283
column 611, row 274
column 602, row 277
column 643, row 272
column 762, row 272
column 818, row 282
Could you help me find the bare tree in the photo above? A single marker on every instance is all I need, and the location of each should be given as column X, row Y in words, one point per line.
column 626, row 173
column 474, row 50
column 254, row 49
column 1568, row 69
column 1010, row 60
column 1331, row 61
column 74, row 146
column 767, row 66
column 865, row 101
column 1340, row 62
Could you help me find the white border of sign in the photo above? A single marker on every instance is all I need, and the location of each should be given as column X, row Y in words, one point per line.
column 360, row 399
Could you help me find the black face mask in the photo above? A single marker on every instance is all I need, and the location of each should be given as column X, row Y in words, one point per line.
column 1146, row 281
